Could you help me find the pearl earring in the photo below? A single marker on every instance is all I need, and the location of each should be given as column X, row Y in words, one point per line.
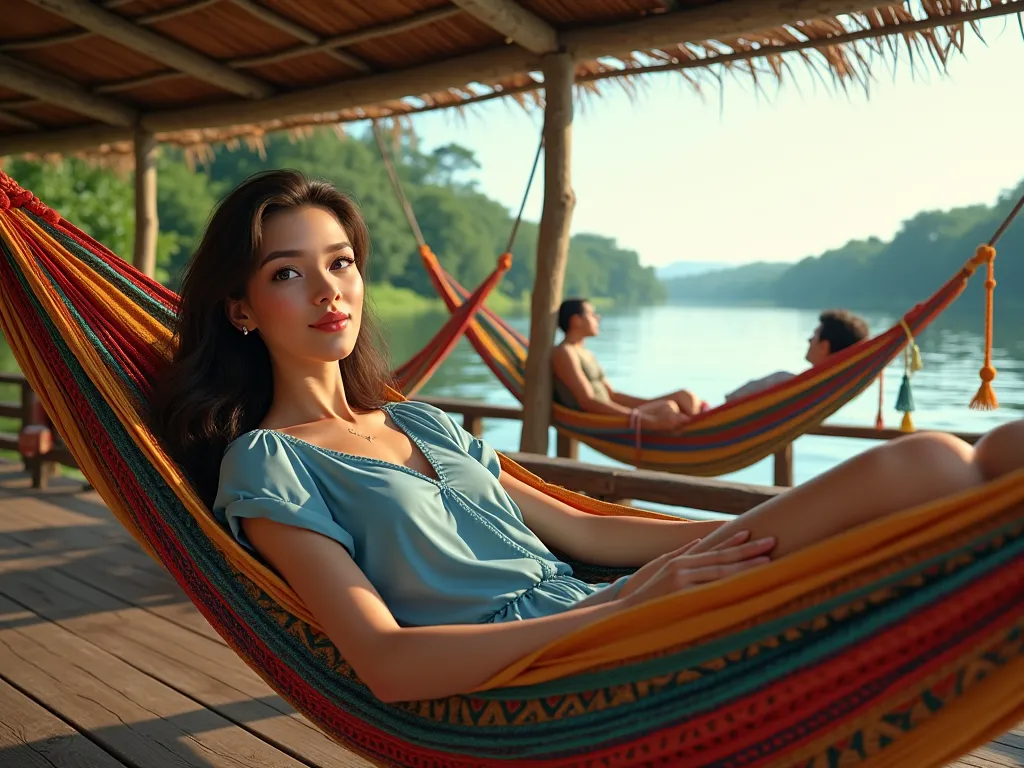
column 245, row 331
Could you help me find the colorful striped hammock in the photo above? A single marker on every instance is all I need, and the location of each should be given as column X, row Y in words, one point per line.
column 898, row 643
column 410, row 377
column 723, row 439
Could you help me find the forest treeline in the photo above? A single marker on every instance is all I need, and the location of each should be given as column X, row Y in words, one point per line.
column 878, row 274
column 465, row 228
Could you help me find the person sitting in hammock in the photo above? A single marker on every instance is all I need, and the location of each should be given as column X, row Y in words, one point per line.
column 837, row 329
column 427, row 566
column 580, row 382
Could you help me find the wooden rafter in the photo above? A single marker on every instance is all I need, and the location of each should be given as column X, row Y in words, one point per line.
column 514, row 22
column 489, row 66
column 53, row 89
column 321, row 45
column 78, row 34
column 157, row 47
column 18, row 120
column 299, row 32
column 326, row 45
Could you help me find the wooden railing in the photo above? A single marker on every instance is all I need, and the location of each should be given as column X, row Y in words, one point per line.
column 43, row 453
column 473, row 414
column 40, row 447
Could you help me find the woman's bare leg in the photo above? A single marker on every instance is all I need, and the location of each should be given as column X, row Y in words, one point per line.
column 892, row 477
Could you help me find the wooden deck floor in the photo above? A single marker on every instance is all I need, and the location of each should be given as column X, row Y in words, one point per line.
column 104, row 663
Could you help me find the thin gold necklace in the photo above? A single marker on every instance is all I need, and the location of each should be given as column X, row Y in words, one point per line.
column 367, row 438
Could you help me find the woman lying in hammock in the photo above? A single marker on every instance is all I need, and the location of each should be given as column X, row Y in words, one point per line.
column 428, row 567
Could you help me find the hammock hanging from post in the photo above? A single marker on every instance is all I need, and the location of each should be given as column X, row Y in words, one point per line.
column 740, row 432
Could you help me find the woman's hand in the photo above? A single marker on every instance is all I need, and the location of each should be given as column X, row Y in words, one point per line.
column 678, row 570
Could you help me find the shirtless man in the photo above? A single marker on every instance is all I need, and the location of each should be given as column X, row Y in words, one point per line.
column 580, row 382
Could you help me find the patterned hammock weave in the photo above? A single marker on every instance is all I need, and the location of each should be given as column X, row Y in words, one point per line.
column 723, row 439
column 900, row 643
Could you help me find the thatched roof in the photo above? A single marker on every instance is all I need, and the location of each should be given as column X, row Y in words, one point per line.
column 81, row 75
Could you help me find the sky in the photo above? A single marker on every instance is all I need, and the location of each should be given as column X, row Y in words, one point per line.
column 733, row 176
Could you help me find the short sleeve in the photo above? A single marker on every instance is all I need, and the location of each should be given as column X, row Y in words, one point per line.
column 261, row 475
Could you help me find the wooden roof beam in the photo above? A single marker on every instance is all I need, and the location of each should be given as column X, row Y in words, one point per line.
column 484, row 67
column 157, row 47
column 51, row 88
column 514, row 22
column 81, row 34
column 18, row 120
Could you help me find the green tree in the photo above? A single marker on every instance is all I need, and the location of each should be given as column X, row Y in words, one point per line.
column 927, row 250
column 465, row 228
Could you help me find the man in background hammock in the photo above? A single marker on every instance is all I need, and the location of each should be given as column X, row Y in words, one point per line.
column 580, row 382
column 837, row 329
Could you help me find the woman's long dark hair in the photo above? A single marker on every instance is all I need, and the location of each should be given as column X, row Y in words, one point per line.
column 219, row 383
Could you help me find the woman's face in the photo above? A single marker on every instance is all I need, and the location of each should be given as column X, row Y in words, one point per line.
column 306, row 296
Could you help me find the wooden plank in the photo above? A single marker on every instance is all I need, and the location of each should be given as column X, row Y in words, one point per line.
column 476, row 408
column 31, row 737
column 646, row 485
column 94, row 581
column 989, row 756
column 204, row 670
column 132, row 576
column 140, row 720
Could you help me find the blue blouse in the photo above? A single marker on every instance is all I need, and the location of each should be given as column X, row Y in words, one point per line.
column 454, row 550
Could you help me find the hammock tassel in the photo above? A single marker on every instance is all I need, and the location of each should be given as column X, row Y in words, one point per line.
column 985, row 399
column 915, row 358
column 905, row 403
column 911, row 365
column 879, row 418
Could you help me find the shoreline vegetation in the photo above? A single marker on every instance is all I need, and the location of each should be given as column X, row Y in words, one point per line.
column 875, row 274
column 466, row 229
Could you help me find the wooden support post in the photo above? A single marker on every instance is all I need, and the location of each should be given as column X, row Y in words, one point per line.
column 473, row 424
column 784, row 466
column 567, row 447
column 552, row 249
column 147, row 225
column 35, row 440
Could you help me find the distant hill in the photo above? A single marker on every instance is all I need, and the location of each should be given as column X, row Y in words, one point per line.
column 877, row 274
column 686, row 269
column 748, row 283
